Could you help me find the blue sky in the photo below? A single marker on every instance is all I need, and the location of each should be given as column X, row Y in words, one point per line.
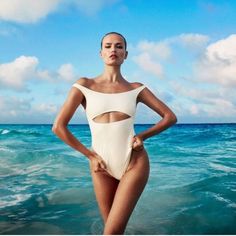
column 182, row 50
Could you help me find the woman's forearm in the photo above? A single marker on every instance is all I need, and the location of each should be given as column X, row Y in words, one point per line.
column 162, row 125
column 66, row 136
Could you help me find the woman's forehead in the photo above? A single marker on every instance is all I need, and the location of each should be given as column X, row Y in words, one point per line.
column 113, row 38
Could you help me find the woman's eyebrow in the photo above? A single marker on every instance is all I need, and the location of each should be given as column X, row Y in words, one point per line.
column 111, row 43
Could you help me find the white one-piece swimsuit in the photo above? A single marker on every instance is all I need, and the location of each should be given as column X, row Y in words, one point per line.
column 113, row 140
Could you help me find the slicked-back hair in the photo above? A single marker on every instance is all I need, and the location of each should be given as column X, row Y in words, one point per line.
column 117, row 34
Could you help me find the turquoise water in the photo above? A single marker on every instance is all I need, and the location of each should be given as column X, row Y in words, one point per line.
column 46, row 188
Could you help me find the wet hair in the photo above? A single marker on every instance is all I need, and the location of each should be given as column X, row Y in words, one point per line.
column 117, row 34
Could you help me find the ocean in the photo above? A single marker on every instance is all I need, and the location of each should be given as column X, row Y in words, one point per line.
column 46, row 187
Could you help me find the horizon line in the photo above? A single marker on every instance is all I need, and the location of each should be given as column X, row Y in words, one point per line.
column 184, row 123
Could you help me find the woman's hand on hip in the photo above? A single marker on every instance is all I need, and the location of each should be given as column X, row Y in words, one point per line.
column 137, row 143
column 97, row 163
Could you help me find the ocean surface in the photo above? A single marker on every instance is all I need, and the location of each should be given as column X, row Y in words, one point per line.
column 46, row 187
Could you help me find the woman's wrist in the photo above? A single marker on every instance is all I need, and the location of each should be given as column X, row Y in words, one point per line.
column 90, row 155
column 140, row 136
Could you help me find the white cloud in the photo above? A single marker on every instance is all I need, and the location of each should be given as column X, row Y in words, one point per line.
column 214, row 63
column 46, row 108
column 192, row 41
column 221, row 107
column 218, row 64
column 26, row 11
column 158, row 49
column 152, row 55
column 196, row 94
column 31, row 11
column 12, row 106
column 14, row 74
column 27, row 110
column 46, row 75
column 207, row 103
column 66, row 72
column 145, row 61
column 21, row 110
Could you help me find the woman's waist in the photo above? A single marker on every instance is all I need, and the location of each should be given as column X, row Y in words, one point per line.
column 125, row 125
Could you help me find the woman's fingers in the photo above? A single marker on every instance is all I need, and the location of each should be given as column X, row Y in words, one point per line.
column 99, row 165
column 103, row 165
column 96, row 167
column 137, row 143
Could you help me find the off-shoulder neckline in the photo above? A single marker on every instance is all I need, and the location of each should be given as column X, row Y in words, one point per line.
column 109, row 93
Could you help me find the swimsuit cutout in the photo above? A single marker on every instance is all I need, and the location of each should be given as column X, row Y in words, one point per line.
column 112, row 140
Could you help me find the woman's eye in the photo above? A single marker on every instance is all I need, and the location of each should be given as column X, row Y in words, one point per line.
column 118, row 46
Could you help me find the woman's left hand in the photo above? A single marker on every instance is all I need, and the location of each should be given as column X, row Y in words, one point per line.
column 137, row 143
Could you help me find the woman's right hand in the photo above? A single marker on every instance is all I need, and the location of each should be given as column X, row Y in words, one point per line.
column 96, row 162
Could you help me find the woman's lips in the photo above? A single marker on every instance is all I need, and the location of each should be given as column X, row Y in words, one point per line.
column 113, row 56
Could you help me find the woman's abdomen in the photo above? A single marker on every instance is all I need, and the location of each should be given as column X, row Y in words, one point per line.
column 113, row 142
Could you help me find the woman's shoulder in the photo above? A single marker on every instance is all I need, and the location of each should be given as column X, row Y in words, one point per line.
column 136, row 84
column 86, row 82
column 82, row 81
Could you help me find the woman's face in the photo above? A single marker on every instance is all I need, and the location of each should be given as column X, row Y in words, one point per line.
column 113, row 50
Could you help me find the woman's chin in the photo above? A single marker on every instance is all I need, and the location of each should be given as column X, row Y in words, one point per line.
column 114, row 63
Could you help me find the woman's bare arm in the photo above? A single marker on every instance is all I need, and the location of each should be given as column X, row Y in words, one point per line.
column 168, row 116
column 74, row 99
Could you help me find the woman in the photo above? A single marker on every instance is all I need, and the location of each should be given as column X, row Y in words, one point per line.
column 118, row 161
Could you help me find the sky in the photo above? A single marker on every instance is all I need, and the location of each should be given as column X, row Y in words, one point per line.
column 184, row 51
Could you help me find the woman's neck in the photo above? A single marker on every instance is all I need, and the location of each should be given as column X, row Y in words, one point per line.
column 112, row 74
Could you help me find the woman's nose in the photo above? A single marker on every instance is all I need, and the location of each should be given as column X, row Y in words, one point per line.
column 113, row 48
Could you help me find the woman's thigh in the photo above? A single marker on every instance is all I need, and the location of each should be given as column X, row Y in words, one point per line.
column 138, row 159
column 128, row 192
column 104, row 187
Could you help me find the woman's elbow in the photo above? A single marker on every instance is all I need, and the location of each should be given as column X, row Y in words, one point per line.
column 172, row 118
column 56, row 128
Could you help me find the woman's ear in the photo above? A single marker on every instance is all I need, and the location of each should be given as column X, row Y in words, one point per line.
column 126, row 54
